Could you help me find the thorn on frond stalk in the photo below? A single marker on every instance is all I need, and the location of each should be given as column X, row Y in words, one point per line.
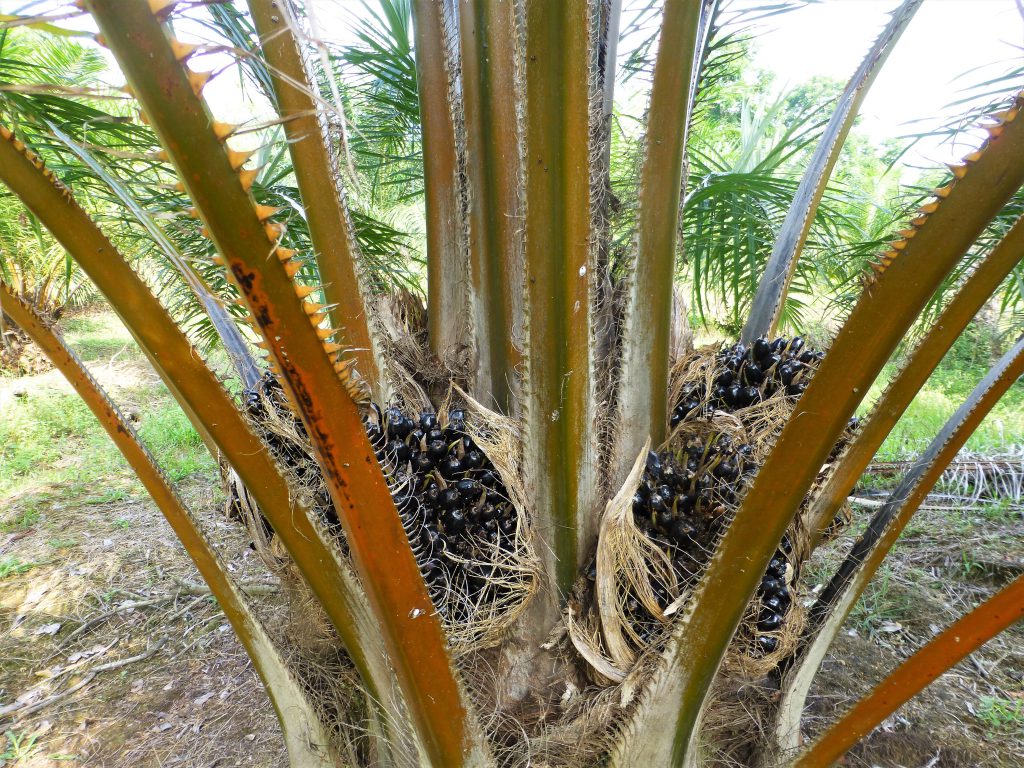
column 313, row 309
column 238, row 158
column 100, row 40
column 943, row 192
column 182, row 51
column 264, row 212
column 162, row 8
column 273, row 230
column 304, row 291
column 285, row 254
column 247, row 177
column 957, row 169
column 179, row 187
column 325, row 333
column 292, row 268
column 928, row 208
column 223, row 130
column 198, row 80
column 1007, row 115
column 218, row 260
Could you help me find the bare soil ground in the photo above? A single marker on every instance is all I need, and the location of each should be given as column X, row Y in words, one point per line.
column 112, row 655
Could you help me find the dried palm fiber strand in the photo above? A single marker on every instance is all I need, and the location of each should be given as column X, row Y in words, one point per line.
column 454, row 478
column 730, row 405
column 417, row 376
column 19, row 356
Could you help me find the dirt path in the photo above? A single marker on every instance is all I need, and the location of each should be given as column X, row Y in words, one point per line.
column 112, row 656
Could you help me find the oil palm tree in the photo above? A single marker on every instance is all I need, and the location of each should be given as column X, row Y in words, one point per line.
column 585, row 548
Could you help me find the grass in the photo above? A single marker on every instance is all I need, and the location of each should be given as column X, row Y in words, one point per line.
column 98, row 336
column 13, row 566
column 19, row 747
column 947, row 389
column 51, row 443
column 882, row 601
column 21, row 521
column 1001, row 715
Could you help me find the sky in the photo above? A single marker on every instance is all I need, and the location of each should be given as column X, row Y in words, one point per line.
column 945, row 40
column 924, row 73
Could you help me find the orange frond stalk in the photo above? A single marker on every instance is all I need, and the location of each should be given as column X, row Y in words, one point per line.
column 942, row 653
column 396, row 591
column 203, row 398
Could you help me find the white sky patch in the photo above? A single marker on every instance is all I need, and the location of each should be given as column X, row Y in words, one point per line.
column 948, row 46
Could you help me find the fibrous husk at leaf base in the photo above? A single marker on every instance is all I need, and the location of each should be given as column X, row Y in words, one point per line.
column 468, row 536
column 731, row 403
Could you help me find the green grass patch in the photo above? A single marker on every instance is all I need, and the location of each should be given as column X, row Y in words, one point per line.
column 881, row 601
column 14, row 566
column 99, row 336
column 21, row 521
column 1001, row 715
column 51, row 438
column 938, row 400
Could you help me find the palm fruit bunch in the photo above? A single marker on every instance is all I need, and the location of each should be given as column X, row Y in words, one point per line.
column 745, row 376
column 774, row 599
column 453, row 505
column 683, row 500
column 689, row 492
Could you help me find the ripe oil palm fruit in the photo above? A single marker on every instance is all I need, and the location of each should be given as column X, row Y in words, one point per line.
column 524, row 479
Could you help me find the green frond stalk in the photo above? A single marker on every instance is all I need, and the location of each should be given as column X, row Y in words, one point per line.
column 920, row 363
column 447, row 258
column 488, row 36
column 558, row 385
column 305, row 738
column 643, row 386
column 320, row 394
column 906, row 277
column 789, row 242
column 851, row 579
column 944, row 652
column 319, row 180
